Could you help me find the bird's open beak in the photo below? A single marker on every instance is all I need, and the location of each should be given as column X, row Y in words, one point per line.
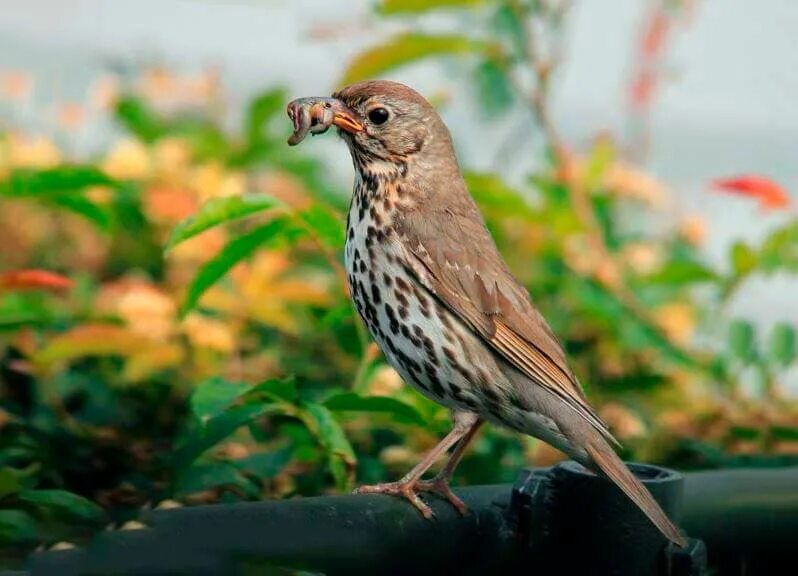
column 316, row 115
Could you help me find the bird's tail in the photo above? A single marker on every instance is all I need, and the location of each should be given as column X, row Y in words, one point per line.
column 608, row 462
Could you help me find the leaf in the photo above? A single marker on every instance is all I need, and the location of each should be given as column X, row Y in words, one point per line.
column 681, row 272
column 261, row 109
column 9, row 482
column 82, row 206
column 743, row 259
column 139, row 119
column 509, row 22
column 34, row 279
column 265, row 464
column 234, row 252
column 741, row 340
column 217, row 211
column 91, row 340
column 283, row 390
column 17, row 526
column 214, row 430
column 417, row 6
column 493, row 86
column 404, row 49
column 325, row 224
column 352, row 402
column 205, row 476
column 783, row 344
column 769, row 194
column 331, row 437
column 65, row 502
column 66, row 178
column 215, row 395
column 496, row 197
column 780, row 249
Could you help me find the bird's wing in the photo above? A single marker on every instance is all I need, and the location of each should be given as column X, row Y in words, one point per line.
column 452, row 253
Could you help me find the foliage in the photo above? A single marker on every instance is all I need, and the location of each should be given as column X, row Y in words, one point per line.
column 174, row 321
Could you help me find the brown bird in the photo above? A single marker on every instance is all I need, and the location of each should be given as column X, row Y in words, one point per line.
column 428, row 281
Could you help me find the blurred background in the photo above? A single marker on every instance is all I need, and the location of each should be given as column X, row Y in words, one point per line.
column 174, row 324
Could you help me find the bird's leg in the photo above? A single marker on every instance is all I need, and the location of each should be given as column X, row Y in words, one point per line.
column 440, row 483
column 464, row 422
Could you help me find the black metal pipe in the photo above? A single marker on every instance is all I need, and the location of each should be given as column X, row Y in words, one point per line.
column 559, row 520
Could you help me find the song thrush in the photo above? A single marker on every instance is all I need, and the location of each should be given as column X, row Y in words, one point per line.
column 433, row 290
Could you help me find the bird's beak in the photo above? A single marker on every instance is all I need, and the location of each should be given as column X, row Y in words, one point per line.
column 316, row 115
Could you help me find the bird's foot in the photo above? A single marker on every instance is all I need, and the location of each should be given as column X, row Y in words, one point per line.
column 440, row 486
column 410, row 490
column 404, row 489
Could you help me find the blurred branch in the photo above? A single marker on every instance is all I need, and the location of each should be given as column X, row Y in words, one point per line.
column 542, row 62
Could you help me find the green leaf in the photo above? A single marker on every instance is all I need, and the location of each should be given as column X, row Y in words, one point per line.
column 325, row 224
column 9, row 482
column 508, row 22
column 780, row 249
column 51, row 181
column 404, row 49
column 331, row 438
column 742, row 340
column 283, row 390
column 139, row 119
column 217, row 211
column 261, row 109
column 783, row 344
column 418, row 6
column 681, row 272
column 495, row 197
column 493, row 87
column 234, row 252
column 205, row 476
column 84, row 207
column 17, row 526
column 351, row 402
column 743, row 259
column 265, row 464
column 215, row 395
column 64, row 502
column 214, row 430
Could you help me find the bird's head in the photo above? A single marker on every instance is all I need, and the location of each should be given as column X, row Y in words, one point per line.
column 380, row 121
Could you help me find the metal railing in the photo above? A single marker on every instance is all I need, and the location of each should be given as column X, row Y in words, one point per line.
column 560, row 520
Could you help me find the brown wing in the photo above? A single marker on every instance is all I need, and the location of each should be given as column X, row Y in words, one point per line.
column 451, row 252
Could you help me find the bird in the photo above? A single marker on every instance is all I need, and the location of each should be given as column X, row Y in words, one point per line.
column 434, row 292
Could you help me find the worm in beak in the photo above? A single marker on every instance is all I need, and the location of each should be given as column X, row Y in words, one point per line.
column 315, row 115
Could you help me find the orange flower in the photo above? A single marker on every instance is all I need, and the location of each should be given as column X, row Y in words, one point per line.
column 70, row 116
column 15, row 85
column 128, row 160
column 205, row 332
column 694, row 230
column 677, row 320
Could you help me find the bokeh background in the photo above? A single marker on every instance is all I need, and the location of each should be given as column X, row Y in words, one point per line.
column 174, row 326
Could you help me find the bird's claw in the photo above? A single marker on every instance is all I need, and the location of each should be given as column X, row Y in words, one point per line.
column 410, row 490
column 440, row 486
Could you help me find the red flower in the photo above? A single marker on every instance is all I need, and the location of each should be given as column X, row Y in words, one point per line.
column 769, row 194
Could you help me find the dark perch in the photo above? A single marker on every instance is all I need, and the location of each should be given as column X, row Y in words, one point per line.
column 748, row 520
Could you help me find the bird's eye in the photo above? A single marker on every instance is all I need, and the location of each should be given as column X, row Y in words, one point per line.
column 378, row 115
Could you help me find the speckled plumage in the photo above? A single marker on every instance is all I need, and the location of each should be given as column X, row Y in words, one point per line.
column 436, row 295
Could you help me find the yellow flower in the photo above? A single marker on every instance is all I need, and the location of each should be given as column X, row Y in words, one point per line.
column 211, row 180
column 622, row 421
column 36, row 152
column 128, row 160
column 642, row 258
column 172, row 157
column 627, row 181
column 677, row 320
column 694, row 230
column 205, row 332
column 385, row 382
column 144, row 309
